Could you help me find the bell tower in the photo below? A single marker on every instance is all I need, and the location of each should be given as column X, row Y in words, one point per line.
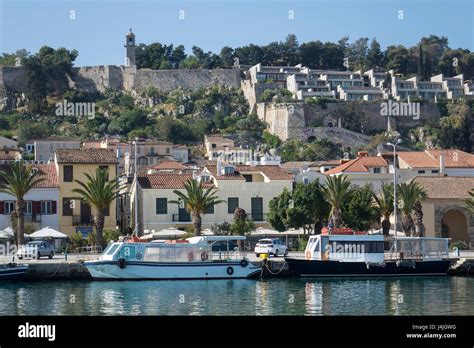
column 130, row 49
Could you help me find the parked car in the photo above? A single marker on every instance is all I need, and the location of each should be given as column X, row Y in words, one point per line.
column 271, row 246
column 36, row 249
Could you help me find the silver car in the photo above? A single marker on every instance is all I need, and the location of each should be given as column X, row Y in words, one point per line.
column 36, row 249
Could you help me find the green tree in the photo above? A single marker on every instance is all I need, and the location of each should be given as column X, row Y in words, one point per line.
column 17, row 180
column 99, row 192
column 336, row 192
column 409, row 194
column 309, row 209
column 241, row 225
column 196, row 200
column 384, row 203
column 278, row 208
column 358, row 212
column 374, row 55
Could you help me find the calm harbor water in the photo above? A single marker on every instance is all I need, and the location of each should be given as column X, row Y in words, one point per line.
column 309, row 296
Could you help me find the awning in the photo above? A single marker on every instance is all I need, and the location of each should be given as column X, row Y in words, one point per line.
column 48, row 232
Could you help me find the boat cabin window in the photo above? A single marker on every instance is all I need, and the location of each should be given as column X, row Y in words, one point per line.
column 356, row 247
column 316, row 247
column 111, row 249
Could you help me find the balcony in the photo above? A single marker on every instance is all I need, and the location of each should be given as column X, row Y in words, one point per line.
column 181, row 218
column 258, row 217
column 78, row 220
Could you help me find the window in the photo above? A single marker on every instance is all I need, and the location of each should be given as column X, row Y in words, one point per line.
column 213, row 146
column 68, row 176
column 247, row 177
column 161, row 206
column 436, row 171
column 29, row 207
column 229, row 170
column 46, row 207
column 209, row 210
column 421, row 172
column 232, row 204
column 9, row 206
column 106, row 168
column 305, row 180
column 377, row 170
column 67, row 206
column 167, row 150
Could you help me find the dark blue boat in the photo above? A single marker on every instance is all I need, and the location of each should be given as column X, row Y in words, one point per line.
column 354, row 254
column 12, row 271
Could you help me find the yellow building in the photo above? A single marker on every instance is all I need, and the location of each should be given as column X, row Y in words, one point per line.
column 444, row 214
column 72, row 165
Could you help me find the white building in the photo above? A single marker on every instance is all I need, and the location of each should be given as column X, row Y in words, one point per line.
column 44, row 148
column 41, row 201
column 248, row 187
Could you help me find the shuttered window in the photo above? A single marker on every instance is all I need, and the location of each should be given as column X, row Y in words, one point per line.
column 68, row 176
column 232, row 204
column 161, row 206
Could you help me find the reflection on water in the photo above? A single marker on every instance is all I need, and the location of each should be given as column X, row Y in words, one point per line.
column 308, row 296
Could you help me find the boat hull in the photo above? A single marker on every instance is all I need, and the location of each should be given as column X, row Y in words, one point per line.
column 13, row 272
column 109, row 270
column 317, row 268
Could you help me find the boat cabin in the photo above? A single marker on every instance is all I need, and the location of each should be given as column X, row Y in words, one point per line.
column 344, row 247
column 195, row 249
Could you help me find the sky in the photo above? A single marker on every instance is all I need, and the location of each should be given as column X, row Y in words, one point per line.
column 97, row 28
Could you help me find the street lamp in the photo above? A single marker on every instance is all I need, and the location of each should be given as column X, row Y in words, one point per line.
column 135, row 179
column 399, row 141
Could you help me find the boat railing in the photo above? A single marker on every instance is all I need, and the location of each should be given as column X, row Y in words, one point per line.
column 94, row 249
column 419, row 249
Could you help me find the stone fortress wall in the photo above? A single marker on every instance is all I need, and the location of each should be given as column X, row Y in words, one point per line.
column 99, row 78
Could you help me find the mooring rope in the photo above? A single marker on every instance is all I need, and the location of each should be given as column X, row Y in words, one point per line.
column 48, row 276
column 274, row 273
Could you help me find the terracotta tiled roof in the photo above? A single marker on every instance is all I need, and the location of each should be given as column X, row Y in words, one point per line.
column 168, row 165
column 48, row 172
column 334, row 162
column 213, row 169
column 359, row 164
column 430, row 158
column 7, row 157
column 272, row 172
column 99, row 156
column 446, row 187
column 165, row 181
column 295, row 165
column 91, row 144
column 45, row 171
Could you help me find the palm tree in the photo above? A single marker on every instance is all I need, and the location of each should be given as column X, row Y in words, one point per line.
column 336, row 191
column 409, row 194
column 469, row 202
column 196, row 200
column 384, row 203
column 18, row 180
column 418, row 217
column 99, row 193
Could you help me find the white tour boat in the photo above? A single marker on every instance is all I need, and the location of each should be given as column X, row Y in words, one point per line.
column 204, row 257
